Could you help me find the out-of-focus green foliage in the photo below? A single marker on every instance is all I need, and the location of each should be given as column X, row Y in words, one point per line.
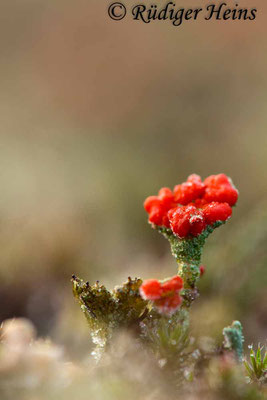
column 256, row 365
column 32, row 368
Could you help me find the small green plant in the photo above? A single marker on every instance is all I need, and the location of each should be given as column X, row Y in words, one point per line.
column 256, row 365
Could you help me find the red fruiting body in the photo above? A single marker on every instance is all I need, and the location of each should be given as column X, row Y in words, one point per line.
column 199, row 203
column 151, row 289
column 150, row 203
column 167, row 197
column 193, row 205
column 202, row 270
column 197, row 223
column 186, row 220
column 176, row 283
column 158, row 206
column 165, row 295
column 158, row 216
column 221, row 189
column 168, row 305
column 216, row 212
column 190, row 190
column 179, row 222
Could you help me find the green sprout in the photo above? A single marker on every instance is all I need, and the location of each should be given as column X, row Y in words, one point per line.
column 256, row 366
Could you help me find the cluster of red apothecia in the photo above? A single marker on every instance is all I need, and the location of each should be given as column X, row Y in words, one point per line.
column 165, row 295
column 192, row 205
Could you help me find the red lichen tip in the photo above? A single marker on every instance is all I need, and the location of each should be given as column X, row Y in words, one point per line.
column 165, row 295
column 186, row 220
column 220, row 188
column 193, row 204
column 190, row 190
column 158, row 206
column 173, row 284
column 150, row 289
column 150, row 202
column 169, row 305
column 202, row 270
column 215, row 211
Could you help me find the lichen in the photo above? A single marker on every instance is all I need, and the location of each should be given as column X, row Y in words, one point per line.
column 234, row 339
column 108, row 310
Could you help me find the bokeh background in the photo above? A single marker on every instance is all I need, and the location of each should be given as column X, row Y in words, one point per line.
column 98, row 114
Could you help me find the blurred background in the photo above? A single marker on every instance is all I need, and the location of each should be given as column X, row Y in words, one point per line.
column 98, row 114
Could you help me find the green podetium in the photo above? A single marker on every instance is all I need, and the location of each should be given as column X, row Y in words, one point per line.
column 234, row 339
column 187, row 253
column 107, row 310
